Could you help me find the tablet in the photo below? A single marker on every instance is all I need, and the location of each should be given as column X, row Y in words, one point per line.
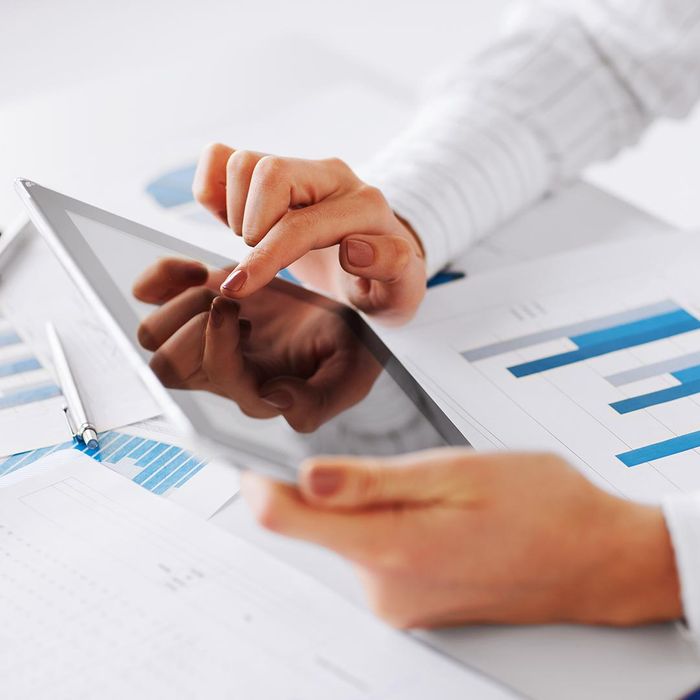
column 350, row 394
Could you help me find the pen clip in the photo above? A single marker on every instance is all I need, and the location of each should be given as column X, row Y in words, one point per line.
column 71, row 427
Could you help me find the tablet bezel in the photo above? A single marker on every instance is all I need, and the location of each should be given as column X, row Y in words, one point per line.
column 49, row 209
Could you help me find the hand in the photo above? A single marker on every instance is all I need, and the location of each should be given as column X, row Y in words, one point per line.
column 449, row 536
column 338, row 233
column 270, row 353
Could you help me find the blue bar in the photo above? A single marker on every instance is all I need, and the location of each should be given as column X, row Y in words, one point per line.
column 157, row 463
column 128, row 447
column 145, row 459
column 674, row 446
column 586, row 353
column 691, row 374
column 636, row 403
column 9, row 338
column 634, row 328
column 175, row 476
column 166, row 471
column 20, row 397
column 19, row 366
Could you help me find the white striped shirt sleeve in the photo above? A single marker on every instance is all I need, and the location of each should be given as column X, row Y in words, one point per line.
column 561, row 88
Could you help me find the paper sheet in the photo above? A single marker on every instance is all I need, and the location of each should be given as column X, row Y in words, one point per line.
column 113, row 593
column 151, row 455
column 34, row 288
column 592, row 354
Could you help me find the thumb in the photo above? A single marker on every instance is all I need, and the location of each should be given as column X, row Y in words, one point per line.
column 388, row 274
column 417, row 478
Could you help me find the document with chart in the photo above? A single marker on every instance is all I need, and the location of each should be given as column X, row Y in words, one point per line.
column 114, row 593
column 594, row 355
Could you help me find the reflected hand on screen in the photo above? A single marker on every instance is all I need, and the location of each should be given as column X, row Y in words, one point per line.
column 270, row 353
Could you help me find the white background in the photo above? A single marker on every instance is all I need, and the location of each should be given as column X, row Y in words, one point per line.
column 65, row 58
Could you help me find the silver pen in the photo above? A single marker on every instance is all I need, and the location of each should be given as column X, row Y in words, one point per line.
column 74, row 410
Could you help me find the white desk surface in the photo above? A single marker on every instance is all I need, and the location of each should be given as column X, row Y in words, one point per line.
column 123, row 90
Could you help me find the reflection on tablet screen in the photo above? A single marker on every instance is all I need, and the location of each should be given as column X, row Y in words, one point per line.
column 282, row 374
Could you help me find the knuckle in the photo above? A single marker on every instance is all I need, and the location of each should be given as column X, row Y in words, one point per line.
column 241, row 162
column 339, row 165
column 401, row 254
column 372, row 197
column 163, row 368
column 262, row 257
column 270, row 169
column 301, row 220
column 370, row 483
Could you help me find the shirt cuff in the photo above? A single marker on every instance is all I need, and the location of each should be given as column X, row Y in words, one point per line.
column 683, row 521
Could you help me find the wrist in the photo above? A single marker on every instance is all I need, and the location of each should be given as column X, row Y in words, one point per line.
column 633, row 579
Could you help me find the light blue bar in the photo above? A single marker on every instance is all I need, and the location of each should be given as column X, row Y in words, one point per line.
column 157, row 463
column 141, row 450
column 189, row 475
column 27, row 364
column 635, row 328
column 687, row 375
column 127, row 448
column 36, row 454
column 655, row 369
column 104, row 441
column 23, row 396
column 114, row 445
column 526, row 341
column 637, row 403
column 146, row 459
column 9, row 338
column 659, row 450
column 175, row 476
column 14, row 459
column 586, row 353
column 166, row 471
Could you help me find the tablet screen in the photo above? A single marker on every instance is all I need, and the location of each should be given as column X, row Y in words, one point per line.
column 285, row 374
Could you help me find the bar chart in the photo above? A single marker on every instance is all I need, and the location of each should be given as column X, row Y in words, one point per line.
column 157, row 466
column 610, row 334
column 23, row 380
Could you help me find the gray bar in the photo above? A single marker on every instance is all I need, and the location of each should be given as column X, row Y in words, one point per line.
column 675, row 364
column 595, row 324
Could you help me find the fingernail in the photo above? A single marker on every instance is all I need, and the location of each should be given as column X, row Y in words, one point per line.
column 215, row 315
column 279, row 399
column 325, row 482
column 235, row 281
column 359, row 253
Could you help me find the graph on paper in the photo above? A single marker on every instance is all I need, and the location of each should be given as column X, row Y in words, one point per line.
column 23, row 380
column 157, row 466
column 621, row 389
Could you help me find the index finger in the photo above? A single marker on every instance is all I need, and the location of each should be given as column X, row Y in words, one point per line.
column 300, row 231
